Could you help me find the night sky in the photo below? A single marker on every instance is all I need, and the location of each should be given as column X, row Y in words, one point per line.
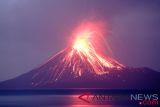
column 31, row 31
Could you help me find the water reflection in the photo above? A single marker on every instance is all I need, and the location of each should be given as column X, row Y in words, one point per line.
column 46, row 101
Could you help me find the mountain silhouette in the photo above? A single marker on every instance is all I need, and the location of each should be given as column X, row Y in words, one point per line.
column 62, row 71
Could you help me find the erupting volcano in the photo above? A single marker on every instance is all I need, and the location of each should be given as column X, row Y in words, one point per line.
column 84, row 64
column 78, row 58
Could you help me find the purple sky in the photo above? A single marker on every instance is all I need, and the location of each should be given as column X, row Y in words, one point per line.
column 31, row 31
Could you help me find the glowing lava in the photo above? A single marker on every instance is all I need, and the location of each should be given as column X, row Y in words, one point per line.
column 78, row 59
column 83, row 46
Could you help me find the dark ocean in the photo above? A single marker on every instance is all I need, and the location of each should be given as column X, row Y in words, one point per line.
column 70, row 98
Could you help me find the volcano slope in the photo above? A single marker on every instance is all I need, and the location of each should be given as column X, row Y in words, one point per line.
column 75, row 70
